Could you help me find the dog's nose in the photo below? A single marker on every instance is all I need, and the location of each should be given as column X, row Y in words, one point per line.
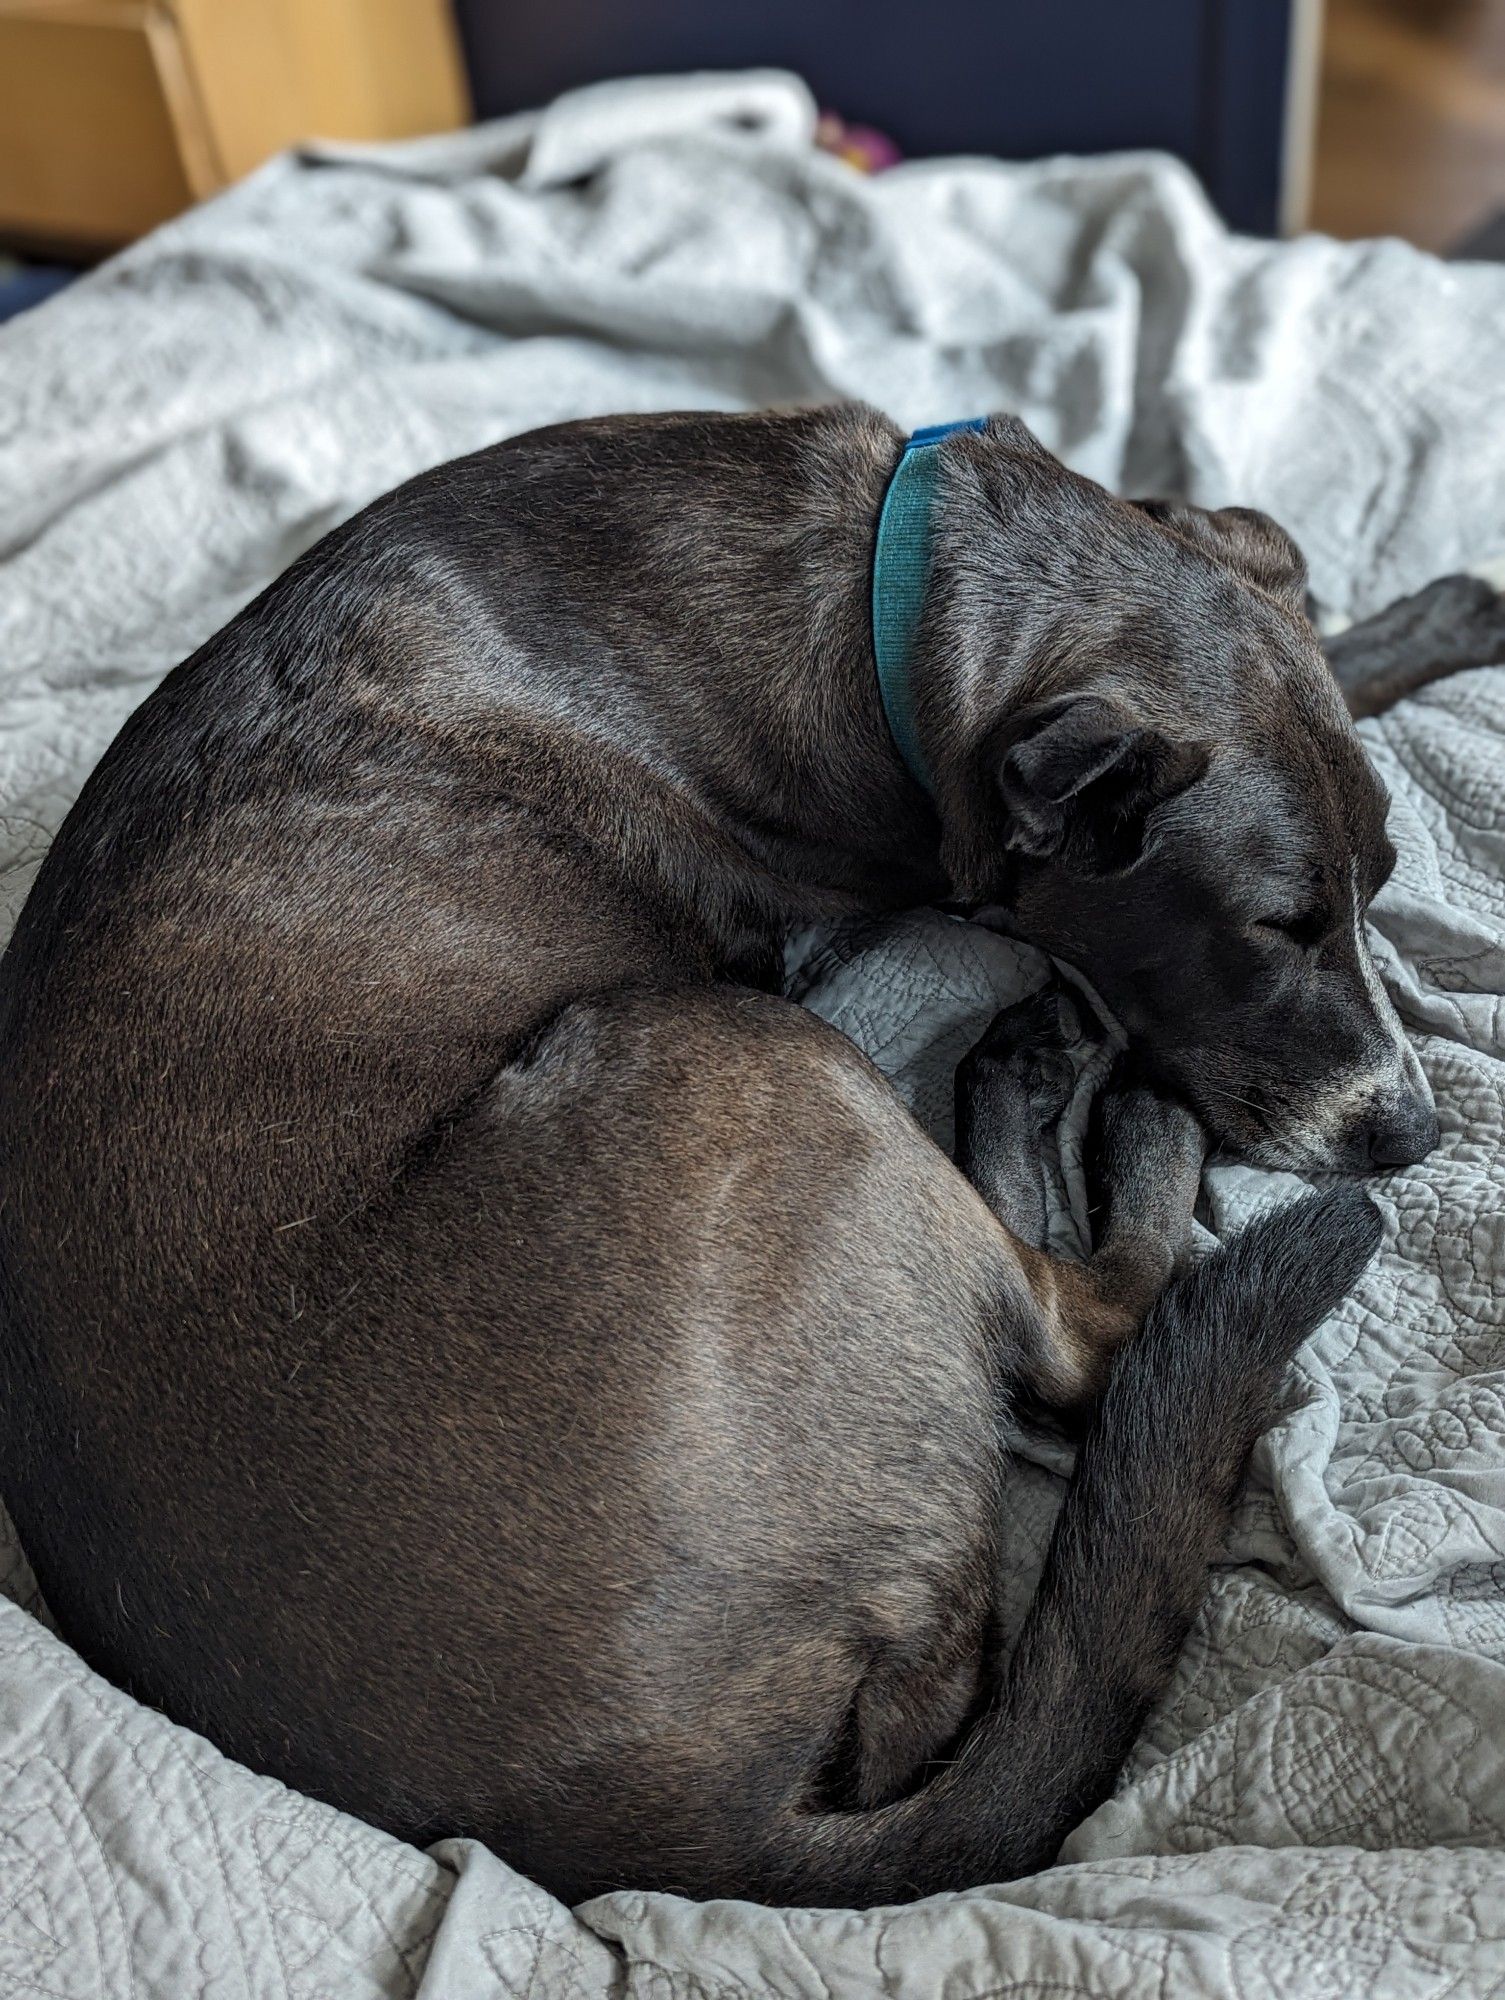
column 1403, row 1133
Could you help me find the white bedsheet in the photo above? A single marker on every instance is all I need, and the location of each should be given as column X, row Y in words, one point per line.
column 1318, row 1808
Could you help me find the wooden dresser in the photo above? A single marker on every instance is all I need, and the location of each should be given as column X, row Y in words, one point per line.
column 115, row 114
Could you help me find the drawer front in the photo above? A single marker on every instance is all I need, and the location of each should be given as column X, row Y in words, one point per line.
column 100, row 135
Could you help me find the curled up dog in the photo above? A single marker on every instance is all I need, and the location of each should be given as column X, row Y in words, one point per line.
column 475, row 1351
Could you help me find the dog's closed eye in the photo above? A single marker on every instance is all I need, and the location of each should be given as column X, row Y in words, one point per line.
column 1304, row 928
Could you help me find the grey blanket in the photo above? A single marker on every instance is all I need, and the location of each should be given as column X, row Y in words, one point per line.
column 1318, row 1808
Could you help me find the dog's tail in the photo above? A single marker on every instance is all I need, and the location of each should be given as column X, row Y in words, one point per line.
column 1127, row 1568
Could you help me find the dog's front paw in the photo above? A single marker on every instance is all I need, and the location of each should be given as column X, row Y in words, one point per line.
column 1025, row 1054
column 1144, row 1163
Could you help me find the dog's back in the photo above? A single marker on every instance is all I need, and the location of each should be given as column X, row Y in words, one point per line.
column 371, row 1403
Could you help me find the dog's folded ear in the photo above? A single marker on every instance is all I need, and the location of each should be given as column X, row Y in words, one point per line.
column 1080, row 775
column 1243, row 540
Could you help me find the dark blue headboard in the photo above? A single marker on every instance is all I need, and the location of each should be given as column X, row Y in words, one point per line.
column 1205, row 79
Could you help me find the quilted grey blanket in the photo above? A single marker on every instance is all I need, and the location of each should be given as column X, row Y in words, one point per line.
column 1318, row 1808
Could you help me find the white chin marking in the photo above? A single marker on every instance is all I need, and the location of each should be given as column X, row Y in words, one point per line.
column 1391, row 1070
column 1399, row 1067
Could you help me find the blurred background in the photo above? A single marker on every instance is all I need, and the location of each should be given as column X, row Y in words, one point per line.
column 1357, row 117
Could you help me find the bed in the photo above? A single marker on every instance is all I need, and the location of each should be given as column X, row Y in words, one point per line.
column 1318, row 1806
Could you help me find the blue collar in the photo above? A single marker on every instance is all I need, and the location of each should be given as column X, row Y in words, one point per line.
column 901, row 572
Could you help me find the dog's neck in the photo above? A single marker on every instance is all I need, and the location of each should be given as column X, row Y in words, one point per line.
column 765, row 704
column 754, row 747
column 810, row 771
column 893, row 656
column 902, row 569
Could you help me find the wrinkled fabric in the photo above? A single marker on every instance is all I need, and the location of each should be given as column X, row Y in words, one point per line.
column 1318, row 1806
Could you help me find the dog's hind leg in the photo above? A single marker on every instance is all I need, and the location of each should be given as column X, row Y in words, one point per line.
column 1455, row 623
column 1145, row 1166
column 1145, row 1514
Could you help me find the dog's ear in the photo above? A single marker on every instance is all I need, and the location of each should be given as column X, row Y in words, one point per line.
column 1080, row 776
column 1243, row 540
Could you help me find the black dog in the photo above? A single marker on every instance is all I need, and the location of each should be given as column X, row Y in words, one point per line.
column 474, row 1354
